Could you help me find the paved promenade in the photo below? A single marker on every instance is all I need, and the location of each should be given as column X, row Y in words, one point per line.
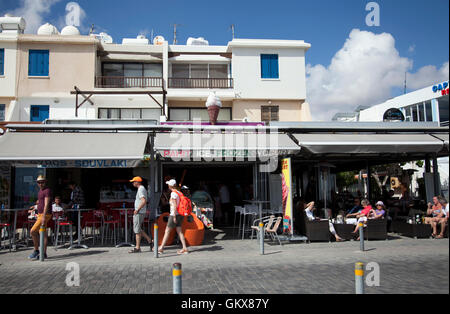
column 227, row 266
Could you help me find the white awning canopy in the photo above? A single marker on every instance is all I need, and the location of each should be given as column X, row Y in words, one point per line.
column 18, row 146
column 369, row 143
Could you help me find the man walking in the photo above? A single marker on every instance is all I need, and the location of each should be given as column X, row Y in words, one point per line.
column 45, row 196
column 140, row 210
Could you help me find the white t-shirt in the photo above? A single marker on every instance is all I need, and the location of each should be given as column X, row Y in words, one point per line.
column 446, row 210
column 56, row 208
column 309, row 214
column 141, row 193
column 174, row 196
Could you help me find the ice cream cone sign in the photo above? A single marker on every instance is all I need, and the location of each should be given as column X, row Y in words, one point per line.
column 213, row 104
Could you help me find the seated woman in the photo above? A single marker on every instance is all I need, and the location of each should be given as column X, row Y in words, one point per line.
column 309, row 214
column 378, row 212
column 442, row 221
column 361, row 217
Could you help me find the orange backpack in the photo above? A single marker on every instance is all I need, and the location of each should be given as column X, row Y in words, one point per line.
column 185, row 206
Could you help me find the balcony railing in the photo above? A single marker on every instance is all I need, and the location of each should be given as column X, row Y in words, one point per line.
column 127, row 82
column 200, row 82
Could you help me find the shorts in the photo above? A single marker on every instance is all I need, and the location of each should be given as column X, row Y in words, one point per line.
column 38, row 222
column 171, row 224
column 138, row 220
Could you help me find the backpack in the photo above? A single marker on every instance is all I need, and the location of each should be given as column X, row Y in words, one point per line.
column 185, row 206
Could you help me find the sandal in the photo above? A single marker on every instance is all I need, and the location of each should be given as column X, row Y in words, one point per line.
column 135, row 250
column 439, row 236
column 160, row 251
column 183, row 252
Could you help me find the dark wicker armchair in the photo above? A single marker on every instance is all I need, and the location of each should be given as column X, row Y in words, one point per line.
column 317, row 230
column 376, row 229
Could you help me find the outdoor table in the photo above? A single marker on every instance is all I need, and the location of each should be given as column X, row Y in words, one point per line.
column 126, row 226
column 15, row 210
column 79, row 245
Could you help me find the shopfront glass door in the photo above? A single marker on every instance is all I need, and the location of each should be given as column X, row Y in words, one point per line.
column 25, row 187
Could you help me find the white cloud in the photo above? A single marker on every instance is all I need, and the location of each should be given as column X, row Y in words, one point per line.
column 427, row 75
column 362, row 72
column 34, row 12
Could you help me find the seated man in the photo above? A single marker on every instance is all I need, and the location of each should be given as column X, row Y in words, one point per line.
column 309, row 214
column 356, row 208
column 435, row 211
column 442, row 221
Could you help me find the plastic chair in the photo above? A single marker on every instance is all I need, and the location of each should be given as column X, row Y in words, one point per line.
column 237, row 210
column 108, row 222
column 267, row 221
column 249, row 210
column 272, row 231
column 95, row 220
column 61, row 223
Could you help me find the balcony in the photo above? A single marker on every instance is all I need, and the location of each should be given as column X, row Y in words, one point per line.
column 200, row 83
column 127, row 82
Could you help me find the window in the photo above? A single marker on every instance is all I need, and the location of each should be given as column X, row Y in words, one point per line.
column 2, row 112
column 129, row 113
column 38, row 63
column 189, row 114
column 269, row 113
column 132, row 69
column 2, row 61
column 428, row 110
column 269, row 67
column 39, row 113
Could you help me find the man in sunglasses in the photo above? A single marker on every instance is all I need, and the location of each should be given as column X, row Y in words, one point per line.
column 45, row 197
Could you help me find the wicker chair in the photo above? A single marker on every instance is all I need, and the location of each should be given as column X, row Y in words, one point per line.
column 376, row 229
column 317, row 230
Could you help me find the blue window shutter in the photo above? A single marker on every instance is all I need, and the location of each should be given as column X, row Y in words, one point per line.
column 39, row 113
column 2, row 61
column 38, row 64
column 265, row 66
column 269, row 66
column 274, row 66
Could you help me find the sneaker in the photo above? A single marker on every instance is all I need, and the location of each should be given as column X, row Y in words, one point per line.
column 45, row 256
column 34, row 255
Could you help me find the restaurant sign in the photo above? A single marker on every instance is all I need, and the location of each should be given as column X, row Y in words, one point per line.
column 93, row 164
column 217, row 154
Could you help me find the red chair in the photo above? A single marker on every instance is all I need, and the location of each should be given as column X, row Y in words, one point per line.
column 95, row 220
column 111, row 220
column 61, row 223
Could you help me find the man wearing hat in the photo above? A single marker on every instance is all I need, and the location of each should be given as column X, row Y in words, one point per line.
column 140, row 209
column 45, row 197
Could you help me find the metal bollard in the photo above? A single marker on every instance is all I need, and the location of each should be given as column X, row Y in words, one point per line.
column 361, row 236
column 42, row 233
column 261, row 238
column 177, row 273
column 155, row 240
column 359, row 278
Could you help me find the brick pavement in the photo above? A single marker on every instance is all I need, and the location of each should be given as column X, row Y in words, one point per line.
column 231, row 266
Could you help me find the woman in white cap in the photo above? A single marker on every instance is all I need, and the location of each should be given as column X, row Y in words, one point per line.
column 175, row 219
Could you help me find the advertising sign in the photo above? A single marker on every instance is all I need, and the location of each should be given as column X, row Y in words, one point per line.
column 286, row 181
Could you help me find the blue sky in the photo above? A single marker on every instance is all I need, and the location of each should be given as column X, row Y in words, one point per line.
column 420, row 29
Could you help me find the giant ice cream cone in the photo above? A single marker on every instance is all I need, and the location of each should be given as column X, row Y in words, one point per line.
column 213, row 112
column 213, row 104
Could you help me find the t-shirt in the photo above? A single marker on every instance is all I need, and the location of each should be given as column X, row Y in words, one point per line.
column 46, row 192
column 309, row 214
column 176, row 197
column 141, row 193
column 56, row 208
column 446, row 210
column 366, row 210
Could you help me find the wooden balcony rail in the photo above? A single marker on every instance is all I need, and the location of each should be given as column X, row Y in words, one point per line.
column 127, row 82
column 200, row 82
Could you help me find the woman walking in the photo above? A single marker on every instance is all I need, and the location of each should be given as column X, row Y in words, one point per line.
column 175, row 219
